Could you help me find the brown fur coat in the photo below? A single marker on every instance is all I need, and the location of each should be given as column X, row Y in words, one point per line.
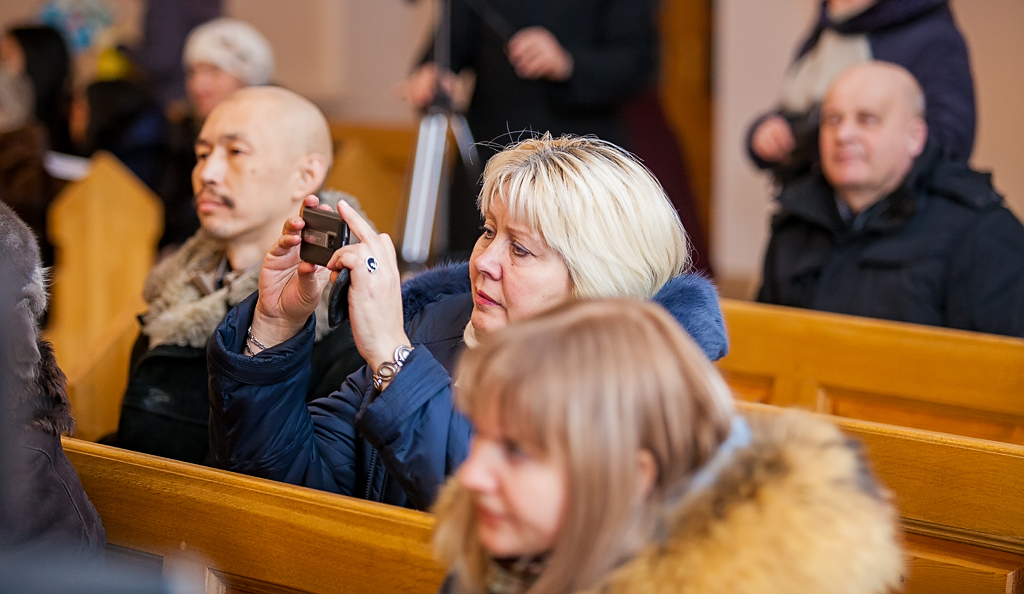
column 797, row 511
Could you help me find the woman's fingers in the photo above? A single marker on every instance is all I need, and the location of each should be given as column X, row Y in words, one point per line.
column 357, row 224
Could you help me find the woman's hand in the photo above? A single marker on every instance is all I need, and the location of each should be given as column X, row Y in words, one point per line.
column 773, row 140
column 289, row 288
column 535, row 53
column 374, row 296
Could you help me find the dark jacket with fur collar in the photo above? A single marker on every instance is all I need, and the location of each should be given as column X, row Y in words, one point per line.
column 396, row 447
column 42, row 504
column 165, row 410
column 940, row 250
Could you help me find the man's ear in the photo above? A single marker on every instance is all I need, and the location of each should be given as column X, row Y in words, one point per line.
column 311, row 174
column 646, row 473
column 917, row 135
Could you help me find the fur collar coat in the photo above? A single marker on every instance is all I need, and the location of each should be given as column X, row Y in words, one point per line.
column 180, row 314
column 796, row 511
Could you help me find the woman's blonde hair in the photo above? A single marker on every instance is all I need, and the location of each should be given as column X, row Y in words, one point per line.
column 592, row 383
column 597, row 206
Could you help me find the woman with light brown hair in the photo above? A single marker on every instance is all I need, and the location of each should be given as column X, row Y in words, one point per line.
column 608, row 456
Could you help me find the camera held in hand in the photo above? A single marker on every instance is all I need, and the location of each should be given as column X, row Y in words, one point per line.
column 324, row 233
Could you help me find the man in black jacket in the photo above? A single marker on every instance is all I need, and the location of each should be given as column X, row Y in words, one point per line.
column 891, row 227
column 260, row 152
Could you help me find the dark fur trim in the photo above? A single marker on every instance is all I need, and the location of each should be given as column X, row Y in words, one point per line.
column 432, row 285
column 52, row 410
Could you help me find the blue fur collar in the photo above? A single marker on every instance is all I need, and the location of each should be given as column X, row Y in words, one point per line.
column 690, row 298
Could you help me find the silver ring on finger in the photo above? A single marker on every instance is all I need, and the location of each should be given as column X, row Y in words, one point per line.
column 371, row 264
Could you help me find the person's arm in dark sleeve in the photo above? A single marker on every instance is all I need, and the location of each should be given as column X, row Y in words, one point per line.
column 768, row 292
column 619, row 65
column 985, row 287
column 943, row 70
column 465, row 27
column 416, row 429
column 259, row 422
column 754, row 158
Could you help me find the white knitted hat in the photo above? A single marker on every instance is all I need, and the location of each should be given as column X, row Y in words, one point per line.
column 234, row 46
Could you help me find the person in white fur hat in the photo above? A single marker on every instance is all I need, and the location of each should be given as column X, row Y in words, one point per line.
column 222, row 56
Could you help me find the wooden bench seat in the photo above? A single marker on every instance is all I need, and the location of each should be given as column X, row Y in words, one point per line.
column 938, row 379
column 243, row 534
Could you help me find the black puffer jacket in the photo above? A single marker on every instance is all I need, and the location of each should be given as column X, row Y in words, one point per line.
column 941, row 250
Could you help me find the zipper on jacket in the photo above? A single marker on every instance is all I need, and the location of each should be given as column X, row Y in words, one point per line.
column 369, row 474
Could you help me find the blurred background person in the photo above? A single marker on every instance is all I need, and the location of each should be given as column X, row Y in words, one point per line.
column 165, row 27
column 890, row 227
column 41, row 53
column 25, row 185
column 919, row 35
column 121, row 117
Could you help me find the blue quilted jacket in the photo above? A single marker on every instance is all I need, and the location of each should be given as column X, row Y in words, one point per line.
column 396, row 447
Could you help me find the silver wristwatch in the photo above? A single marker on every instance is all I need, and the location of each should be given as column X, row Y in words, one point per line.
column 389, row 369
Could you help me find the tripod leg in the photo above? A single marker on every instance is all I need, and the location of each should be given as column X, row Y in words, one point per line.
column 423, row 194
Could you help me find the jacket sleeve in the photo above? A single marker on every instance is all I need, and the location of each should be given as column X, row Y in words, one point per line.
column 985, row 287
column 416, row 429
column 942, row 68
column 259, row 422
column 618, row 64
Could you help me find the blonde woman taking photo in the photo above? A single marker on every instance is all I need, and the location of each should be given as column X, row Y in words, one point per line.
column 565, row 218
column 608, row 457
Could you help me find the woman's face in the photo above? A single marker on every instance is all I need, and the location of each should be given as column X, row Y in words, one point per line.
column 208, row 85
column 12, row 56
column 515, row 274
column 519, row 494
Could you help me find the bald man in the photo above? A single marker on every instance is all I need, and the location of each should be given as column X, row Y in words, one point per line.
column 259, row 153
column 890, row 227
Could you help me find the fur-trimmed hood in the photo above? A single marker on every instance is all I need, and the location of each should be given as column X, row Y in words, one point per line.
column 179, row 314
column 795, row 511
column 690, row 298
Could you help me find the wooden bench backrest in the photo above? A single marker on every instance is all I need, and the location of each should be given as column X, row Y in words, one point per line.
column 253, row 535
column 902, row 374
column 97, row 382
column 960, row 505
column 960, row 499
column 372, row 164
column 105, row 229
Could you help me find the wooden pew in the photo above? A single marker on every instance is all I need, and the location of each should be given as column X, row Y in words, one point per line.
column 97, row 383
column 105, row 229
column 241, row 534
column 959, row 499
column 372, row 163
column 961, row 504
column 938, row 379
